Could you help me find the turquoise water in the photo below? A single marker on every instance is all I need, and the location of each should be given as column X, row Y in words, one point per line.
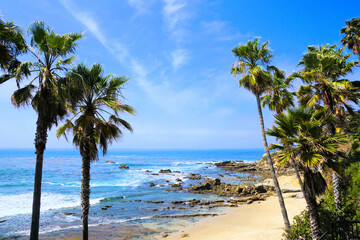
column 110, row 185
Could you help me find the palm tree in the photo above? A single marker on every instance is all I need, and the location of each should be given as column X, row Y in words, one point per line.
column 49, row 51
column 251, row 59
column 277, row 96
column 351, row 38
column 300, row 132
column 323, row 72
column 91, row 96
column 12, row 43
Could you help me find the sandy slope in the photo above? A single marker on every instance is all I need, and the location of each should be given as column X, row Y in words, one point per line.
column 259, row 220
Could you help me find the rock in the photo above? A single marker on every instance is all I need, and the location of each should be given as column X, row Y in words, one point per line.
column 194, row 176
column 69, row 213
column 1, row 221
column 249, row 201
column 156, row 202
column 148, row 171
column 162, row 185
column 239, row 189
column 185, row 235
column 124, row 166
column 178, row 202
column 178, row 180
column 108, row 206
column 260, row 189
column 152, row 184
column 165, row 171
column 290, row 190
column 176, row 171
column 165, row 235
column 213, row 181
column 107, row 161
column 203, row 186
column 175, row 185
column 138, row 200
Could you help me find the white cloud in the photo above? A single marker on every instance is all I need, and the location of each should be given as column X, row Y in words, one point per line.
column 142, row 6
column 179, row 57
column 174, row 14
column 213, row 26
column 170, row 99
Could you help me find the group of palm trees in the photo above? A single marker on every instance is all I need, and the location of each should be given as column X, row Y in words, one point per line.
column 310, row 133
column 56, row 92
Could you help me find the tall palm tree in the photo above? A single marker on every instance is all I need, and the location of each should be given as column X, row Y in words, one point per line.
column 92, row 96
column 12, row 43
column 324, row 69
column 277, row 96
column 50, row 51
column 252, row 57
column 300, row 132
column 351, row 38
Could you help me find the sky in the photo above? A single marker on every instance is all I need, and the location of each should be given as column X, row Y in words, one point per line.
column 177, row 54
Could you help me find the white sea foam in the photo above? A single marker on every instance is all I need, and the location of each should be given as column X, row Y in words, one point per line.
column 22, row 203
column 120, row 183
column 58, row 228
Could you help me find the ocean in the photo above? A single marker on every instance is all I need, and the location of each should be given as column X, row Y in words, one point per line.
column 125, row 190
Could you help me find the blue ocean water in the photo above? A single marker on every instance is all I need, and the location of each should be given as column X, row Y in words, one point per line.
column 110, row 186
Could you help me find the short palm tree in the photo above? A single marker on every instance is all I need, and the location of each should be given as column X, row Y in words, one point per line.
column 351, row 38
column 300, row 132
column 252, row 57
column 93, row 95
column 50, row 51
column 12, row 43
column 324, row 69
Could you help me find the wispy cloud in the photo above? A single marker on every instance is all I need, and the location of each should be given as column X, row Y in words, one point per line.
column 174, row 14
column 142, row 6
column 222, row 31
column 179, row 57
column 171, row 99
column 213, row 26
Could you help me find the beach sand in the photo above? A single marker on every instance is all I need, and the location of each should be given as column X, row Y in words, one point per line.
column 257, row 221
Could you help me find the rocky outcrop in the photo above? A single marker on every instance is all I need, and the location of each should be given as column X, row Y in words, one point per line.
column 215, row 186
column 258, row 167
column 165, row 171
column 194, row 176
column 107, row 161
column 124, row 166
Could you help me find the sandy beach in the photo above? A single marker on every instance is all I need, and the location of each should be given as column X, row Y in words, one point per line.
column 257, row 221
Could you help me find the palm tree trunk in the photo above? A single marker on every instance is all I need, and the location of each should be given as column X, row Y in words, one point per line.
column 85, row 191
column 337, row 190
column 40, row 144
column 298, row 175
column 313, row 213
column 85, row 196
column 272, row 170
column 335, row 178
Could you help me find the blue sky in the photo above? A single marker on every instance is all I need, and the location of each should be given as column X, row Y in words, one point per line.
column 177, row 54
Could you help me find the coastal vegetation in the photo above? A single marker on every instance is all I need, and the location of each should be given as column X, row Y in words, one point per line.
column 252, row 58
column 91, row 95
column 314, row 134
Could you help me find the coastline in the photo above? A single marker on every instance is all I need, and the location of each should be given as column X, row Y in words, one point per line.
column 260, row 220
